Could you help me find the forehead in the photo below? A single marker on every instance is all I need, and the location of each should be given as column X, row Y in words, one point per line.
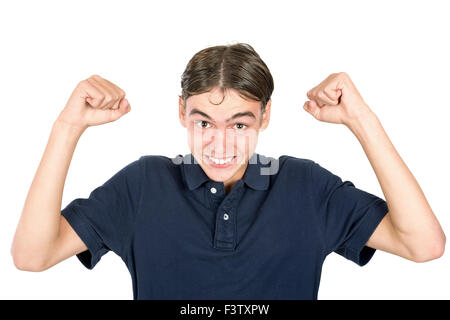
column 221, row 106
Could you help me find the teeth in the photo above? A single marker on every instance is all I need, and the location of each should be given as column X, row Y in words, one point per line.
column 220, row 161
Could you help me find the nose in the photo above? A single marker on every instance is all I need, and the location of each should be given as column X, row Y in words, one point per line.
column 223, row 142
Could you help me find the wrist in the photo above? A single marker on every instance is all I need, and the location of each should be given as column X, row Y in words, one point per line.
column 367, row 128
column 68, row 127
column 365, row 117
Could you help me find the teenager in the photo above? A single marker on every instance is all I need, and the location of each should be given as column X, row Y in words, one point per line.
column 224, row 222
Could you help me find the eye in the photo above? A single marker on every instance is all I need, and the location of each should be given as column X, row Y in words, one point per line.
column 240, row 126
column 202, row 124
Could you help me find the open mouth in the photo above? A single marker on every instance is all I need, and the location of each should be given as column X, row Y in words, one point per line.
column 220, row 162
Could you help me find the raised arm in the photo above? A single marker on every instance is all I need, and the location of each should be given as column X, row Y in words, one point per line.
column 43, row 236
column 410, row 229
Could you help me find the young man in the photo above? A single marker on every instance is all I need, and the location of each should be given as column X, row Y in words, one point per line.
column 224, row 222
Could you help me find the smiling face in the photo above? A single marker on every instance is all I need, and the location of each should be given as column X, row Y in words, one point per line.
column 222, row 135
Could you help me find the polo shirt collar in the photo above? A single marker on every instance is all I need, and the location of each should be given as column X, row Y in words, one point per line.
column 253, row 175
column 195, row 176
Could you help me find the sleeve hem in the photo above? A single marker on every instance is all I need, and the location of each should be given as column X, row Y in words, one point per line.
column 90, row 257
column 357, row 250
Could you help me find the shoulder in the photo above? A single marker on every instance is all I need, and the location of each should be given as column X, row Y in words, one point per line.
column 289, row 170
column 146, row 163
column 156, row 161
column 308, row 166
column 159, row 167
column 295, row 164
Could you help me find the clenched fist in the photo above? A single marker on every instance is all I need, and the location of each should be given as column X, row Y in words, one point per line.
column 336, row 100
column 94, row 101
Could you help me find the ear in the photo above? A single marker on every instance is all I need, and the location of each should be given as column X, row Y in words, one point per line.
column 181, row 112
column 266, row 116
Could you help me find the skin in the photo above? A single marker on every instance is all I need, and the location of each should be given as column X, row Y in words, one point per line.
column 410, row 229
column 209, row 133
column 44, row 238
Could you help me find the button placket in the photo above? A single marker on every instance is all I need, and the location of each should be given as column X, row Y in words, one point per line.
column 226, row 220
column 225, row 229
column 215, row 194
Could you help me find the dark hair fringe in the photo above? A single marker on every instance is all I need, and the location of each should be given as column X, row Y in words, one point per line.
column 235, row 66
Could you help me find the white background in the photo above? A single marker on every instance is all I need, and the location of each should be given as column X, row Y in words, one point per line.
column 396, row 52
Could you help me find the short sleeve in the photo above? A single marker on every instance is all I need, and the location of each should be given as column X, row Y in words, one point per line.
column 347, row 215
column 105, row 220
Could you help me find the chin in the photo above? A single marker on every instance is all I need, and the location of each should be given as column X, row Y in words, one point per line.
column 219, row 175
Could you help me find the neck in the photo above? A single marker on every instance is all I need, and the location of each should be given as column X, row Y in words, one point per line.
column 237, row 176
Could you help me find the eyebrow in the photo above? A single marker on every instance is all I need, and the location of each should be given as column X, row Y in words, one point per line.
column 237, row 115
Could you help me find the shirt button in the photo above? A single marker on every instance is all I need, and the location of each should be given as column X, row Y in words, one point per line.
column 213, row 190
column 225, row 217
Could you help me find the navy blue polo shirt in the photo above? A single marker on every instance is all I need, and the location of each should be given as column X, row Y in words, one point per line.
column 182, row 236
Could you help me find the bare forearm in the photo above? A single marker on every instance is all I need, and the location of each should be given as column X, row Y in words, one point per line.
column 39, row 223
column 410, row 213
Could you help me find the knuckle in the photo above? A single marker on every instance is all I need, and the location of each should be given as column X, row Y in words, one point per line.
column 95, row 76
column 82, row 83
column 96, row 103
column 108, row 98
column 317, row 114
column 101, row 96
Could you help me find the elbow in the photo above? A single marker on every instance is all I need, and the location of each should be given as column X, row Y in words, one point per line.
column 24, row 265
column 24, row 262
column 434, row 251
column 27, row 266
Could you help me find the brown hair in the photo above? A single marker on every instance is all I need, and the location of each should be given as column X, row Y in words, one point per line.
column 235, row 66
